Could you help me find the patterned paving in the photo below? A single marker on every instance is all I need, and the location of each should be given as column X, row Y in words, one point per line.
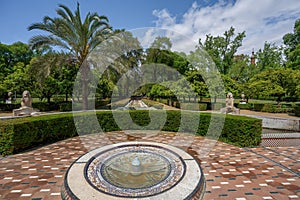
column 230, row 172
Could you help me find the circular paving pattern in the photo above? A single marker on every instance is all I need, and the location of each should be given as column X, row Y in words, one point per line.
column 134, row 169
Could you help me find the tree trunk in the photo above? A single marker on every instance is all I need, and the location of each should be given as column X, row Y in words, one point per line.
column 84, row 95
column 84, row 77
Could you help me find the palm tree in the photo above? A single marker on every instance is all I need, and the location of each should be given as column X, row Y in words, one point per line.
column 69, row 32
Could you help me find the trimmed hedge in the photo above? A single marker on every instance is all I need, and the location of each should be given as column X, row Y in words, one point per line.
column 247, row 106
column 19, row 134
column 56, row 106
column 9, row 107
column 194, row 106
column 268, row 107
column 297, row 110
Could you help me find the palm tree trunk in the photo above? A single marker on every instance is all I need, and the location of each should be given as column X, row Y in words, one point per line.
column 84, row 69
column 84, row 95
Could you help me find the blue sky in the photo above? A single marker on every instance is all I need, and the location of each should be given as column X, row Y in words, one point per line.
column 266, row 20
column 17, row 15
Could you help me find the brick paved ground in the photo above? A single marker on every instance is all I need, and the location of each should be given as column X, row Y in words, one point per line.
column 230, row 172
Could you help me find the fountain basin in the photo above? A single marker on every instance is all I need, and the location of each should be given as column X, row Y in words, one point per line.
column 164, row 172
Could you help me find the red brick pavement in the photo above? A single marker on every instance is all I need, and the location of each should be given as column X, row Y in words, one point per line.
column 230, row 172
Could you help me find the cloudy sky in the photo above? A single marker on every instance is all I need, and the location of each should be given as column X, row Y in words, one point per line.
column 263, row 20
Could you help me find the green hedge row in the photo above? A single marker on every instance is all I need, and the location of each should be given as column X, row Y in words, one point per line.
column 260, row 107
column 55, row 106
column 267, row 107
column 9, row 107
column 23, row 133
column 193, row 106
column 297, row 110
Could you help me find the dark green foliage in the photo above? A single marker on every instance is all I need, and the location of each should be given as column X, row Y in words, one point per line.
column 56, row 106
column 297, row 110
column 258, row 106
column 23, row 133
column 242, row 131
column 218, row 106
column 65, row 106
column 272, row 108
column 202, row 106
column 45, row 106
column 246, row 106
column 9, row 107
column 193, row 106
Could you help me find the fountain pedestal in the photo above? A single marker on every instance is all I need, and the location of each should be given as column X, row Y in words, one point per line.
column 143, row 170
column 136, row 167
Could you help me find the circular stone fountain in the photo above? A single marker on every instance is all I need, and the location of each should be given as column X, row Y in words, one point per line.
column 144, row 170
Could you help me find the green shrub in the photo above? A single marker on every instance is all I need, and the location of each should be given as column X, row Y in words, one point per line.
column 45, row 106
column 258, row 106
column 202, row 106
column 271, row 108
column 277, row 108
column 193, row 106
column 9, row 107
column 99, row 104
column 246, row 106
column 65, row 106
column 218, row 106
column 23, row 133
column 297, row 110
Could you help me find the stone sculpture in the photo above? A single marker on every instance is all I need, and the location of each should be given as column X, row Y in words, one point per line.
column 243, row 100
column 9, row 97
column 26, row 106
column 229, row 105
column 26, row 100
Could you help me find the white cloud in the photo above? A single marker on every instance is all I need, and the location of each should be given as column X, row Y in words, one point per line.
column 266, row 20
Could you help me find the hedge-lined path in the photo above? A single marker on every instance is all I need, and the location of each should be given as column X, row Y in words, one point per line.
column 230, row 172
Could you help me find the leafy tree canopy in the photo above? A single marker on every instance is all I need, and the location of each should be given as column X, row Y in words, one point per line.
column 292, row 50
column 223, row 48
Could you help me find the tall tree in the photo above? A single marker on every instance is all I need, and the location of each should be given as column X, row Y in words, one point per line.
column 54, row 72
column 69, row 32
column 12, row 58
column 12, row 54
column 275, row 82
column 292, row 42
column 269, row 57
column 123, row 55
column 222, row 48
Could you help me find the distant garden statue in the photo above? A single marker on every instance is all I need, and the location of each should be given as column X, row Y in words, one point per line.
column 26, row 106
column 9, row 98
column 243, row 100
column 230, row 106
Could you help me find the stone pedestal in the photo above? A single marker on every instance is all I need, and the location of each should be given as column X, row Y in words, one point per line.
column 23, row 111
column 229, row 109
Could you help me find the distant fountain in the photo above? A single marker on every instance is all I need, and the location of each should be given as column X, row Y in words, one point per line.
column 136, row 103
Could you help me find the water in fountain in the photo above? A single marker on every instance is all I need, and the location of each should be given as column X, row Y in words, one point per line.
column 134, row 169
column 136, row 103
